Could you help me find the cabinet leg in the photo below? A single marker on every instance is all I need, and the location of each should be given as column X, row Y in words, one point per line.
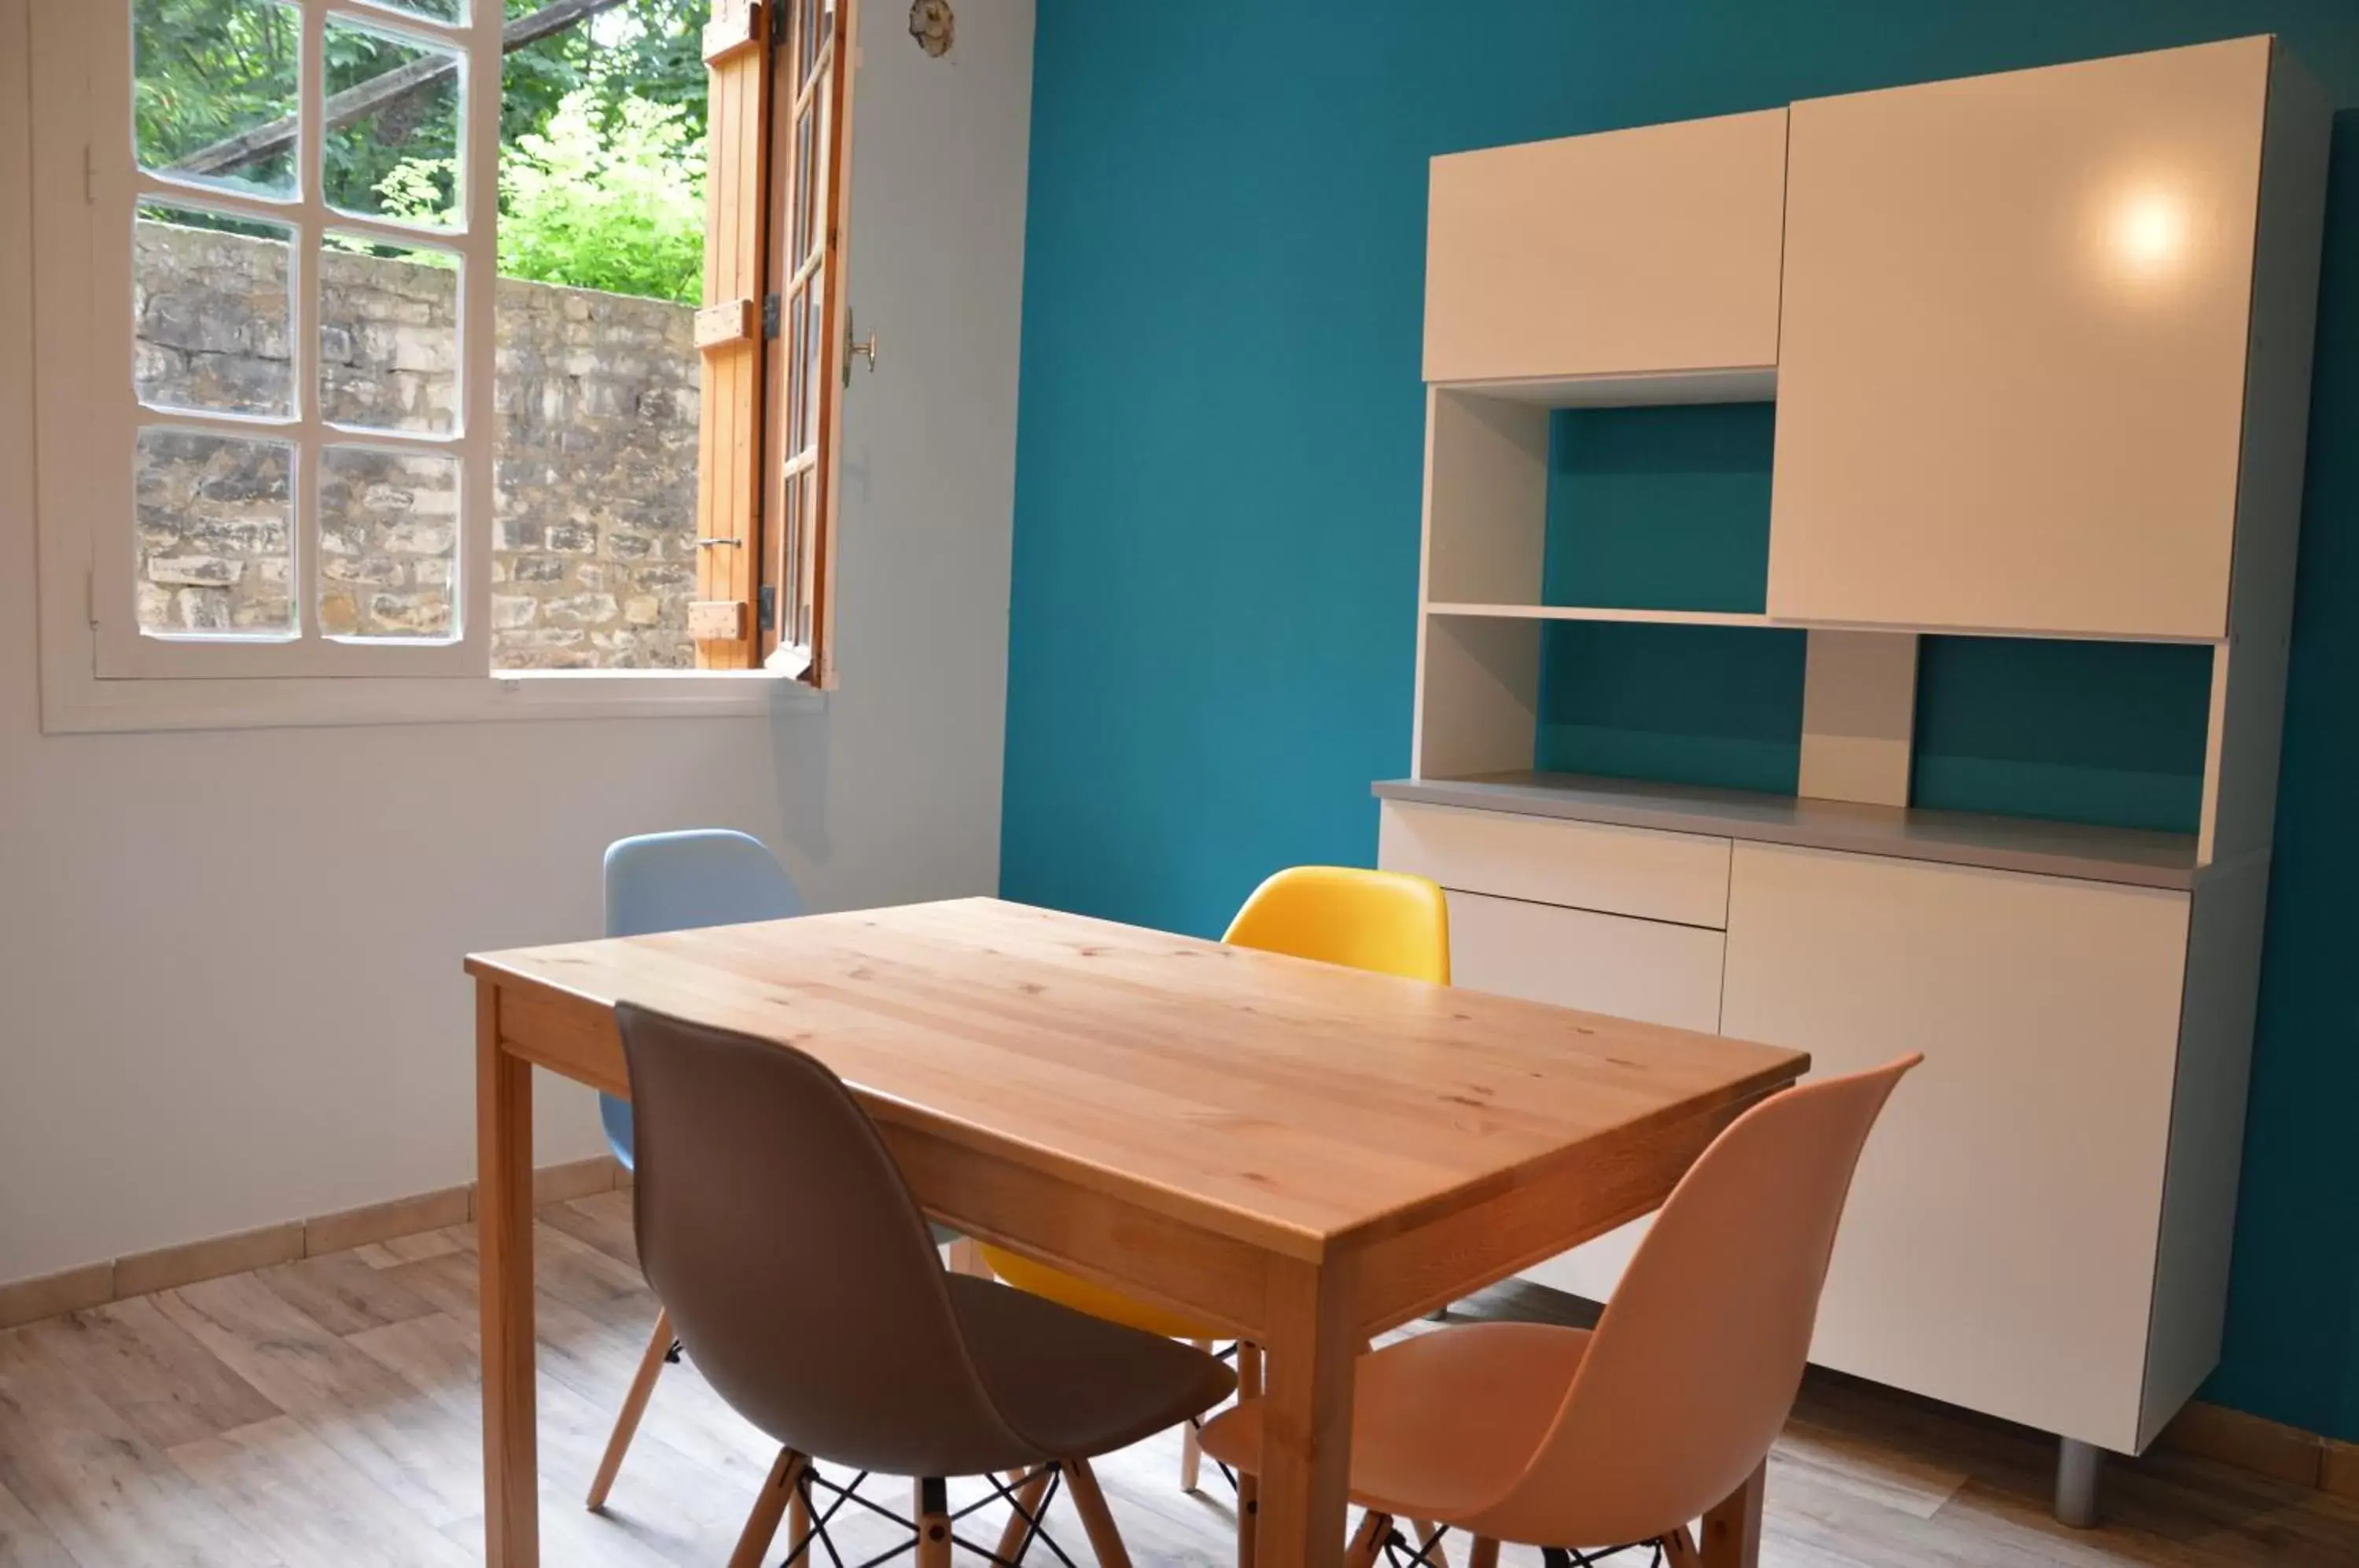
column 2078, row 1467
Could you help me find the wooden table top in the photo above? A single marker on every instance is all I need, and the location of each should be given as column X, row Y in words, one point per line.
column 1286, row 1102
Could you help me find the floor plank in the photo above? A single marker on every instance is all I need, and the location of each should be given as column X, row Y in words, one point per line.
column 106, row 1495
column 344, row 1294
column 26, row 1542
column 396, row 1435
column 603, row 1220
column 167, row 1388
column 327, row 1412
column 294, row 1490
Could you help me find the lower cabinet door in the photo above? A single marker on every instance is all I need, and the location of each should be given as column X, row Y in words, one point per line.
column 1649, row 969
column 1998, row 1249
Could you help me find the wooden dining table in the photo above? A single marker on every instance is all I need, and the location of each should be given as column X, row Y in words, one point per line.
column 1304, row 1154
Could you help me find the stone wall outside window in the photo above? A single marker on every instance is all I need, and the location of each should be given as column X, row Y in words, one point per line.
column 593, row 559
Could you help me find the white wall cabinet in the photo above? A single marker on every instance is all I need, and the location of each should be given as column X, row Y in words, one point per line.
column 1634, row 253
column 2011, row 373
column 2041, row 345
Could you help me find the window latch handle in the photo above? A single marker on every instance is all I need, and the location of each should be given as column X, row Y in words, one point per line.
column 864, row 348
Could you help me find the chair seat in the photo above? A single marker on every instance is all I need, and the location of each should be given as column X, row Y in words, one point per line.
column 1441, row 1423
column 1074, row 1384
column 1070, row 1290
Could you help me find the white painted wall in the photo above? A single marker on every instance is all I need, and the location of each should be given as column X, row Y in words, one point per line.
column 230, row 990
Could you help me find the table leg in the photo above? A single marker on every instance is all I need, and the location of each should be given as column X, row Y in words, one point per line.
column 1306, row 1449
column 1248, row 1484
column 503, row 1245
column 1731, row 1532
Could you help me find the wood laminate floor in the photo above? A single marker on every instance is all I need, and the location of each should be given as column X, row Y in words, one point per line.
column 325, row 1413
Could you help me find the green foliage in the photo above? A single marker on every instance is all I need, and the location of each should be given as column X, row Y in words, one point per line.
column 601, row 127
column 619, row 208
column 207, row 70
column 417, row 126
column 650, row 50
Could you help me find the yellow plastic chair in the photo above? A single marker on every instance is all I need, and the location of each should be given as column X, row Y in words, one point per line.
column 1382, row 920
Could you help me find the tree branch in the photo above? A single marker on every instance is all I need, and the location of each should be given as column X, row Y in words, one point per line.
column 356, row 103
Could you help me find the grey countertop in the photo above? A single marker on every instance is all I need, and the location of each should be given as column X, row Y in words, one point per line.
column 1958, row 838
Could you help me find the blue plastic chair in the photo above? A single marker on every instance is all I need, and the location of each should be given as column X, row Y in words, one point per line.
column 678, row 881
column 663, row 882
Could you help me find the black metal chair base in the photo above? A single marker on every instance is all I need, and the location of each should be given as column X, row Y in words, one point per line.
column 818, row 1541
column 1574, row 1557
column 1400, row 1552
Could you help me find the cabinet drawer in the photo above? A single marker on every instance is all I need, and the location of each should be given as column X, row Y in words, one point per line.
column 1583, row 865
column 1628, row 253
column 1647, row 970
column 1606, row 963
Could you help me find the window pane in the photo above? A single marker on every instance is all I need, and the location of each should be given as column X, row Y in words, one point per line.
column 392, row 141
column 802, row 197
column 215, row 516
column 215, row 91
column 797, row 372
column 388, row 336
column 815, row 350
column 388, row 543
column 791, row 556
column 211, row 313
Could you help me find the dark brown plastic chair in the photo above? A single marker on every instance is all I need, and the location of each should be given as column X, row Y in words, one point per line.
column 799, row 1271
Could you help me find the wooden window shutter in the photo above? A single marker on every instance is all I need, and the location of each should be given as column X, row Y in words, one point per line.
column 810, row 357
column 723, row 619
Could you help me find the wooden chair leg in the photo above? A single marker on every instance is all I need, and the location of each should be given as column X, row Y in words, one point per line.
column 1096, row 1517
column 785, row 1484
column 1679, row 1549
column 1248, row 1484
column 966, row 1258
column 1483, row 1553
column 635, row 1405
column 1368, row 1541
column 1731, row 1532
column 798, row 1526
column 932, row 1511
column 1191, row 1446
column 1027, row 1496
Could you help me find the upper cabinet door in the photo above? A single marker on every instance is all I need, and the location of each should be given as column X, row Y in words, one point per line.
column 2011, row 371
column 1639, row 252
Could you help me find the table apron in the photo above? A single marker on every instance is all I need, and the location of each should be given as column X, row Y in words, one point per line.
column 1101, row 1237
column 1592, row 1190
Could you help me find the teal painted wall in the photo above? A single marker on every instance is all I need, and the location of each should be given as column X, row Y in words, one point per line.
column 1717, row 705
column 2086, row 732
column 1218, row 468
column 1660, row 508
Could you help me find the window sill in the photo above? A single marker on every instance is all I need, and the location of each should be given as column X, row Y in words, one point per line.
column 79, row 703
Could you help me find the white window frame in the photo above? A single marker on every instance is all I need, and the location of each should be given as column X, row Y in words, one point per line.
column 99, row 671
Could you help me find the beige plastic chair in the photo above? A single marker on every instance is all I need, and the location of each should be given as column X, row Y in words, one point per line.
column 1562, row 1437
